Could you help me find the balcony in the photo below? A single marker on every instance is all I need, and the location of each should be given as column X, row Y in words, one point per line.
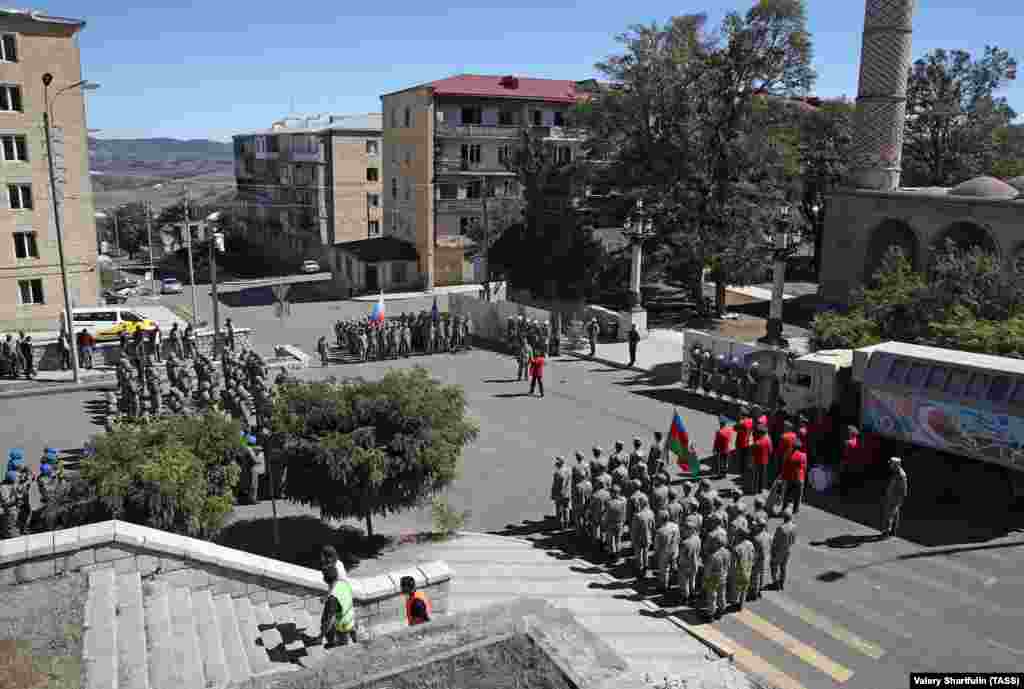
column 476, row 131
column 562, row 133
column 455, row 167
column 460, row 205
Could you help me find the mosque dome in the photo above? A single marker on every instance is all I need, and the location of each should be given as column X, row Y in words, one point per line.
column 1017, row 183
column 985, row 188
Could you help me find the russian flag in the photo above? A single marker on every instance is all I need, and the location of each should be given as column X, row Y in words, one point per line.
column 679, row 445
column 377, row 316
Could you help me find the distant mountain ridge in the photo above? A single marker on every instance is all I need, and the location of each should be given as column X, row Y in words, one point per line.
column 160, row 158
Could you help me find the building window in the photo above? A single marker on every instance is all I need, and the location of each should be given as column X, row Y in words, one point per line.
column 508, row 118
column 408, row 156
column 273, row 145
column 394, row 118
column 472, row 115
column 373, row 200
column 448, row 192
column 372, row 175
column 408, row 189
column 394, row 221
column 470, row 154
column 564, row 155
column 373, row 228
column 25, row 245
column 398, row 272
column 8, row 50
column 538, row 118
column 30, row 292
column 466, row 224
column 20, row 196
column 559, row 119
column 371, row 148
column 505, row 154
column 509, row 189
column 15, row 147
column 394, row 188
column 408, row 116
column 474, row 190
column 10, row 98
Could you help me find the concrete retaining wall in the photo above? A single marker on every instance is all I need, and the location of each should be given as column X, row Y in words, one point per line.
column 200, row 565
column 490, row 319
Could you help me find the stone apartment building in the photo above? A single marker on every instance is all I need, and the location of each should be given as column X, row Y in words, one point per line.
column 445, row 147
column 31, row 298
column 307, row 184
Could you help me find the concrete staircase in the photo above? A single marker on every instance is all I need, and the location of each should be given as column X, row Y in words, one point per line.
column 147, row 635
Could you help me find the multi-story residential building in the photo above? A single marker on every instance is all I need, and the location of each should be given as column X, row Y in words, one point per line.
column 307, row 184
column 446, row 144
column 31, row 298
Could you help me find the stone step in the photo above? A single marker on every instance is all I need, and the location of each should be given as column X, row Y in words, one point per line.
column 132, row 662
column 248, row 627
column 231, row 639
column 187, row 670
column 215, row 665
column 99, row 651
column 160, row 638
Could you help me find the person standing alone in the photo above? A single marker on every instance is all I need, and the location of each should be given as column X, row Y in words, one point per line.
column 537, row 372
column 634, row 340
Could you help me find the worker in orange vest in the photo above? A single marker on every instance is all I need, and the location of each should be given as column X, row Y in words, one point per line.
column 417, row 605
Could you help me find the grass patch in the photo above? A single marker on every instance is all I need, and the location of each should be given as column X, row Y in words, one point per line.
column 182, row 311
column 515, row 663
column 41, row 626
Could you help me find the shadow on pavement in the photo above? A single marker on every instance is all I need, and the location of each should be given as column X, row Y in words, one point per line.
column 501, row 380
column 302, row 537
column 847, row 541
column 682, row 398
column 513, row 394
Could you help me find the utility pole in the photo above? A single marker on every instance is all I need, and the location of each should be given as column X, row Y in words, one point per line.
column 191, row 267
column 149, row 234
column 117, row 241
column 68, row 322
column 484, row 258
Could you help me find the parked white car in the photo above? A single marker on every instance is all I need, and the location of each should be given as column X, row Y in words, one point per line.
column 171, row 286
column 310, row 266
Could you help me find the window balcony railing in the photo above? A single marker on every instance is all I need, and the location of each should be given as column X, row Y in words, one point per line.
column 482, row 131
column 455, row 166
column 460, row 205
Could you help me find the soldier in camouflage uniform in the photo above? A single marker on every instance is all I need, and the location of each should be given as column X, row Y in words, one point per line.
column 666, row 549
column 582, row 493
column 741, row 570
column 9, row 506
column 614, row 522
column 762, row 552
column 655, row 457
column 659, row 495
column 599, row 464
column 616, row 458
column 782, row 545
column 641, row 536
column 561, row 492
column 636, row 457
column 688, row 562
column 597, row 506
column 636, row 496
column 675, row 509
column 717, row 563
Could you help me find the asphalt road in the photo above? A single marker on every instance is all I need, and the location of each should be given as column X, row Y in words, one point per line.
column 856, row 613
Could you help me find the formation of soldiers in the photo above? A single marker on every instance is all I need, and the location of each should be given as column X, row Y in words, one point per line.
column 527, row 336
column 718, row 552
column 17, row 356
column 400, row 337
column 240, row 388
column 721, row 376
column 16, row 514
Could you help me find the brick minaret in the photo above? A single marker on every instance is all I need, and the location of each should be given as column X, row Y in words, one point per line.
column 882, row 95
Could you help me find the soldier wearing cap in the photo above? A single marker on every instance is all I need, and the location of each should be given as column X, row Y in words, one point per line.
column 738, row 520
column 688, row 562
column 762, row 552
column 9, row 505
column 616, row 458
column 675, row 509
column 582, row 492
column 659, row 494
column 561, row 492
column 636, row 496
column 636, row 457
column 614, row 521
column 782, row 545
column 714, row 579
column 760, row 508
column 641, row 534
column 666, row 548
column 895, row 494
column 741, row 569
column 596, row 509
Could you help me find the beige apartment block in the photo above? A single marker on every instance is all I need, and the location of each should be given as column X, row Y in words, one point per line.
column 446, row 144
column 31, row 297
column 308, row 184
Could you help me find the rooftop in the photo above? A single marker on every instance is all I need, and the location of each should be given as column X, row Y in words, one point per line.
column 38, row 16
column 504, row 86
column 319, row 124
column 380, row 249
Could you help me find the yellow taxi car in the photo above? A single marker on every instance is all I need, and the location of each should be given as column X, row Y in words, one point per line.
column 106, row 323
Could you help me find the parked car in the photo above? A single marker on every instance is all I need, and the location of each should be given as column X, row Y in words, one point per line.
column 108, row 324
column 310, row 266
column 171, row 286
column 112, row 297
column 125, row 282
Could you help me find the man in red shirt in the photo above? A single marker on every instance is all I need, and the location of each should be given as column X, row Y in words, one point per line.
column 760, row 454
column 537, row 372
column 794, row 473
column 723, row 445
column 787, row 442
column 744, row 429
column 850, row 458
column 760, row 418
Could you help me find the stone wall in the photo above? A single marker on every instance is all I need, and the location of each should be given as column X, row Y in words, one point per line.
column 490, row 319
column 200, row 565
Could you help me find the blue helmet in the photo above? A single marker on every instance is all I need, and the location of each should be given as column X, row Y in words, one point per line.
column 12, row 476
column 15, row 464
column 16, row 453
column 251, row 439
column 51, row 453
column 45, row 470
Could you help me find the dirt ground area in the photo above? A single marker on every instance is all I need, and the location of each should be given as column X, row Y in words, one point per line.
column 41, row 634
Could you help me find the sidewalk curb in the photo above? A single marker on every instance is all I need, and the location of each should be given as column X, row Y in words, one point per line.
column 57, row 389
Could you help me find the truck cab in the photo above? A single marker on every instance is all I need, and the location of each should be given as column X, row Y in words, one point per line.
column 818, row 380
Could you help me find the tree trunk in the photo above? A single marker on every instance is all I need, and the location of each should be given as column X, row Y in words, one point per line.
column 719, row 298
column 369, row 525
column 819, row 237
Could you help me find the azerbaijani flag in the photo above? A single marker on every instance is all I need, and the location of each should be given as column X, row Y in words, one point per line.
column 377, row 316
column 679, row 445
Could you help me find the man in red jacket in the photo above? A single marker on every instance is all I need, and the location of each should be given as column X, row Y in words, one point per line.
column 537, row 372
column 760, row 454
column 787, row 443
column 723, row 445
column 744, row 429
column 850, row 459
column 794, row 473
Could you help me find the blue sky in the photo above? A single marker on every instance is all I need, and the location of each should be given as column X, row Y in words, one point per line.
column 211, row 69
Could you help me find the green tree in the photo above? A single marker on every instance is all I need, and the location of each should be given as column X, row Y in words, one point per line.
column 132, row 232
column 177, row 473
column 954, row 116
column 357, row 448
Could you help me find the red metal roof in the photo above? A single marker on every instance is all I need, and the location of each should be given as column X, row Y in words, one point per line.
column 554, row 90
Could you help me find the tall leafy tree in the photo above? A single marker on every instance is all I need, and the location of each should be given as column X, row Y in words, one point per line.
column 954, row 115
column 132, row 233
column 676, row 128
column 358, row 449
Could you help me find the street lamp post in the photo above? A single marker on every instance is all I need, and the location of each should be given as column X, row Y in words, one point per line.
column 68, row 322
column 638, row 228
column 215, row 240
column 780, row 252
